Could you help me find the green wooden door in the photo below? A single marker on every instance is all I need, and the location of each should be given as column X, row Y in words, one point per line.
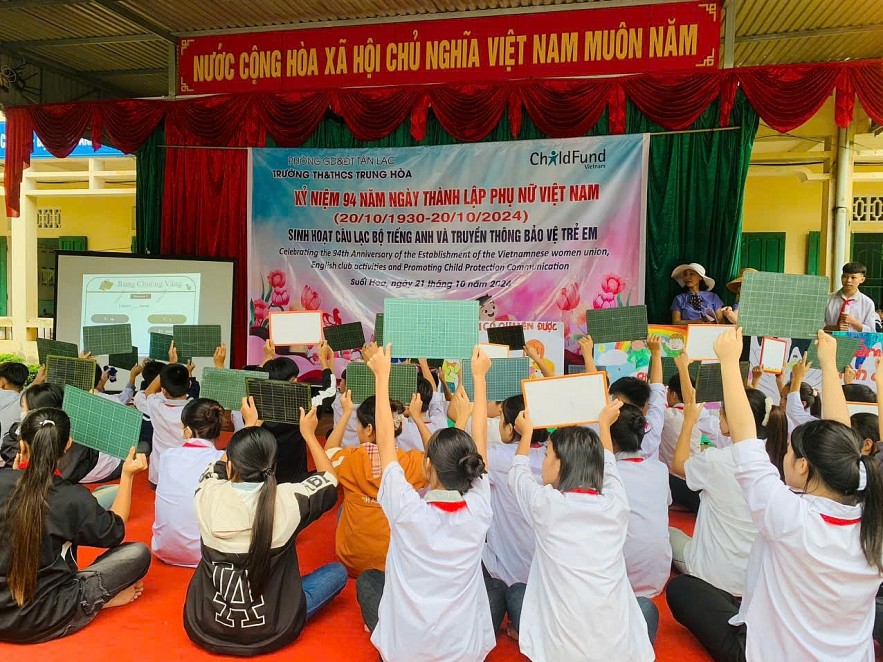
column 4, row 278
column 867, row 248
column 813, row 252
column 764, row 251
column 73, row 243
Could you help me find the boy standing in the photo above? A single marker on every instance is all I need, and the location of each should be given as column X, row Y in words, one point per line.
column 848, row 309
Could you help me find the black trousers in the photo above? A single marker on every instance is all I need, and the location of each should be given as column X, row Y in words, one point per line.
column 878, row 620
column 705, row 611
column 682, row 494
column 369, row 590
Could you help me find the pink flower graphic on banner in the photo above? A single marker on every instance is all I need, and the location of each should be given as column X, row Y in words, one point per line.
column 613, row 284
column 309, row 298
column 568, row 298
column 261, row 311
column 280, row 298
column 332, row 319
column 276, row 279
column 604, row 300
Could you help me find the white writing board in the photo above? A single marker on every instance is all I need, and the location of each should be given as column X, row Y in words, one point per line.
column 556, row 402
column 700, row 340
column 772, row 355
column 296, row 328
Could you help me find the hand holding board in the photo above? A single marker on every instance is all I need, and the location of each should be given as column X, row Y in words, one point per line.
column 700, row 340
column 772, row 355
column 296, row 328
column 102, row 424
column 565, row 401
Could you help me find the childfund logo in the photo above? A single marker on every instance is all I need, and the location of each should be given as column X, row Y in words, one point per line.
column 590, row 160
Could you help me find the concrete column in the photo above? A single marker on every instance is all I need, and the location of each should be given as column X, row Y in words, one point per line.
column 842, row 202
column 23, row 268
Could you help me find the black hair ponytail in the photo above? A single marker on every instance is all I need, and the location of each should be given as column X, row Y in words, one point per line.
column 772, row 427
column 833, row 452
column 872, row 511
column 811, row 399
column 46, row 431
column 628, row 430
column 455, row 458
column 252, row 452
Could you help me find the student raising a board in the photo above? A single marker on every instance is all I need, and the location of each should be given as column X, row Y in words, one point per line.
column 42, row 519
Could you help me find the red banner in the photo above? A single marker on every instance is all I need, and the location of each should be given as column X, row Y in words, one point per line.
column 580, row 42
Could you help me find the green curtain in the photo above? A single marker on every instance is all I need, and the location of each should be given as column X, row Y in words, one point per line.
column 696, row 185
column 149, row 176
column 694, row 200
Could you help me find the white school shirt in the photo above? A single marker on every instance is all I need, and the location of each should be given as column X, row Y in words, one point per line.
column 434, row 604
column 124, row 397
column 436, row 419
column 493, row 430
column 647, row 544
column 10, row 410
column 809, row 591
column 350, row 435
column 175, row 528
column 710, row 426
column 165, row 415
column 510, row 540
column 795, row 411
column 671, row 430
column 655, row 422
column 579, row 604
column 861, row 307
column 722, row 539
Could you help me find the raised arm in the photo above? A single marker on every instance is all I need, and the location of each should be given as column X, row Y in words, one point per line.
column 427, row 373
column 608, row 417
column 133, row 464
column 586, row 348
column 543, row 367
column 682, row 448
column 480, row 366
column 346, row 411
column 219, row 358
column 682, row 363
column 654, row 342
column 834, row 403
column 524, row 427
column 269, row 352
column 308, row 423
column 385, row 431
column 416, row 405
column 462, row 407
column 728, row 348
column 326, row 356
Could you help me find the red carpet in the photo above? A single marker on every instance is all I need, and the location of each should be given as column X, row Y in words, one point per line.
column 150, row 628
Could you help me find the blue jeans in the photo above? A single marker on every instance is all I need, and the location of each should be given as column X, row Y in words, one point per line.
column 322, row 585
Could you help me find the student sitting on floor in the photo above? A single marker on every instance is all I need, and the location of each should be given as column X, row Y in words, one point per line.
column 817, row 562
column 43, row 595
column 647, row 396
column 175, row 529
column 12, row 380
column 431, row 415
column 291, row 454
column 432, row 602
column 79, row 464
column 724, row 533
column 671, row 431
column 510, row 540
column 578, row 604
column 647, row 549
column 163, row 401
column 362, row 537
column 247, row 596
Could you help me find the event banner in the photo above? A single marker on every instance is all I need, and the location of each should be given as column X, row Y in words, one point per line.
column 533, row 230
column 547, row 44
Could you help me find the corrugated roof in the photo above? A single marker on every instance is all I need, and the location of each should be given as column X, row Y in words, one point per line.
column 768, row 31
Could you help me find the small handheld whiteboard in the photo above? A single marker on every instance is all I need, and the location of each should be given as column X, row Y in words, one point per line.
column 300, row 327
column 557, row 402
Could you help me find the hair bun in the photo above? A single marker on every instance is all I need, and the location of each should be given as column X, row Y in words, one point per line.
column 639, row 424
column 471, row 465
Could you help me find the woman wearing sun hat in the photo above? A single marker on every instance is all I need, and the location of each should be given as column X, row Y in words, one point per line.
column 730, row 314
column 697, row 304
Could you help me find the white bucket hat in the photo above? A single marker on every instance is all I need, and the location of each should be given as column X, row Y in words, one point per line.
column 678, row 274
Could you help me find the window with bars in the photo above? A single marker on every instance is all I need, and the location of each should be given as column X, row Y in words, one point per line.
column 867, row 208
column 48, row 219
